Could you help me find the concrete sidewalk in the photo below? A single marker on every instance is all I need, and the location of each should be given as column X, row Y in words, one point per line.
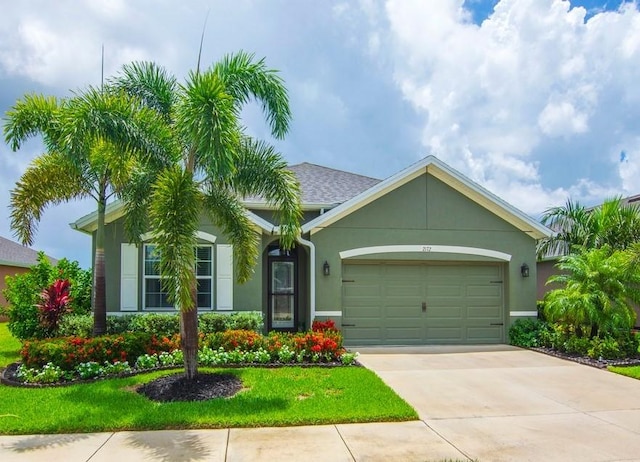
column 402, row 441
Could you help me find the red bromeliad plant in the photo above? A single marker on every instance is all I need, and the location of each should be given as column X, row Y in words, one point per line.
column 55, row 303
column 322, row 326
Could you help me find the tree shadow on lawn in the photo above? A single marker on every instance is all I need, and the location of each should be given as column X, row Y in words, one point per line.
column 119, row 407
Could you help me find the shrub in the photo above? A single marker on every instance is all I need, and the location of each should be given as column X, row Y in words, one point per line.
column 575, row 345
column 69, row 352
column 321, row 326
column 526, row 333
column 210, row 323
column 23, row 290
column 315, row 346
column 246, row 340
column 119, row 324
column 245, row 320
column 77, row 325
column 162, row 325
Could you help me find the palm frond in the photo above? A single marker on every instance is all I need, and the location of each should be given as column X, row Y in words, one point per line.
column 151, row 84
column 174, row 217
column 49, row 180
column 245, row 78
column 261, row 171
column 31, row 116
column 207, row 123
column 226, row 211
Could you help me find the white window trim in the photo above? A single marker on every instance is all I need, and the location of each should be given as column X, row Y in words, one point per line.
column 211, row 277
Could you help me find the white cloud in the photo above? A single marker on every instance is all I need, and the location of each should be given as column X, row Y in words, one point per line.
column 522, row 92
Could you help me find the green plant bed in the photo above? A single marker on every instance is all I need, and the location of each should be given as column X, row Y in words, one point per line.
column 631, row 371
column 270, row 397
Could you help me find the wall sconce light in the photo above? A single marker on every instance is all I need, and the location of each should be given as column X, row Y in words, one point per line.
column 326, row 269
column 524, row 270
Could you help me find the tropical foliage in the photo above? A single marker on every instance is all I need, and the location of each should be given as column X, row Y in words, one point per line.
column 598, row 287
column 96, row 142
column 611, row 224
column 218, row 165
column 23, row 295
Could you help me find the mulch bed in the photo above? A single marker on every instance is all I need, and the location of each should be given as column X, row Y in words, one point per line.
column 587, row 361
column 177, row 387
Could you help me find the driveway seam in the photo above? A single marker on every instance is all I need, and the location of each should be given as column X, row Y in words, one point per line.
column 345, row 443
column 226, row 447
column 101, row 446
column 445, row 439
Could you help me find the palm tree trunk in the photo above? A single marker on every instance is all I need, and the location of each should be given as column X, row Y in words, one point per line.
column 99, row 303
column 189, row 337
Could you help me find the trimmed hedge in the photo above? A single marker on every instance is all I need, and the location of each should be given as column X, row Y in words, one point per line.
column 161, row 324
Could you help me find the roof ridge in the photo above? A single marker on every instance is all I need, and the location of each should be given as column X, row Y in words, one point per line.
column 334, row 170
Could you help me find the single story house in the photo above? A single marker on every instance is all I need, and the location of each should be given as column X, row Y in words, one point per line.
column 15, row 259
column 426, row 256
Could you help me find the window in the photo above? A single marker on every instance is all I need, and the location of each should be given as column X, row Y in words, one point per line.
column 154, row 296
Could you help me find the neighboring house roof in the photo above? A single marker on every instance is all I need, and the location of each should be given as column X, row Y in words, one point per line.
column 449, row 176
column 344, row 192
column 14, row 254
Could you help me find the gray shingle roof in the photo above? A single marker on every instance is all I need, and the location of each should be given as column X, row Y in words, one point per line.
column 323, row 185
column 14, row 254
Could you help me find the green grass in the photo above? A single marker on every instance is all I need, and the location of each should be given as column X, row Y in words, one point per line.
column 631, row 371
column 271, row 397
column 9, row 346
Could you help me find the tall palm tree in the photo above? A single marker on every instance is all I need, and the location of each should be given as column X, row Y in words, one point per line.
column 613, row 223
column 598, row 287
column 219, row 164
column 96, row 144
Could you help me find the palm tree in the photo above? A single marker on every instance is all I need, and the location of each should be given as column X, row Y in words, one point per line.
column 96, row 143
column 219, row 164
column 613, row 223
column 599, row 286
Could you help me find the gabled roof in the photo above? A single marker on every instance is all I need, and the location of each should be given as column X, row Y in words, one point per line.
column 449, row 176
column 327, row 185
column 14, row 254
column 344, row 193
column 321, row 188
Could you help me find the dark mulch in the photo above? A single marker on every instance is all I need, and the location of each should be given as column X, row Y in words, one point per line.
column 177, row 387
column 599, row 363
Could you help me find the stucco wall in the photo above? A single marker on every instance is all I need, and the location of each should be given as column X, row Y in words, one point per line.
column 426, row 211
column 246, row 297
column 8, row 271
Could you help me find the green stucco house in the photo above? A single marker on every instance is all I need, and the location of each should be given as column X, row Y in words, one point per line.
column 426, row 256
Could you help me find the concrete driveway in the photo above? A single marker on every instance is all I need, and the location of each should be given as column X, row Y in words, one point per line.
column 505, row 404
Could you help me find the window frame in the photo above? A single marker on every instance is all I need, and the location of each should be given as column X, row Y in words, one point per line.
column 210, row 277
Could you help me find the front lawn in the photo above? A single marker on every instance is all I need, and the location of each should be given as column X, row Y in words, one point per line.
column 9, row 346
column 271, row 397
column 630, row 371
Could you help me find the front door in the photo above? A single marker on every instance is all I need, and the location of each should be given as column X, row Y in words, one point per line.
column 283, row 299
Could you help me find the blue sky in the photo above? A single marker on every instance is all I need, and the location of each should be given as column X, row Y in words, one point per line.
column 534, row 99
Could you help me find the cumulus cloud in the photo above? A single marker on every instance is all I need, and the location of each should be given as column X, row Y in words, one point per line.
column 535, row 87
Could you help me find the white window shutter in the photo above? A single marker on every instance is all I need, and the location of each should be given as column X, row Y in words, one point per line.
column 224, row 277
column 128, row 277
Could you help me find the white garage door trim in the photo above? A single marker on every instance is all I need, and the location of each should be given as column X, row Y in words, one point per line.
column 420, row 248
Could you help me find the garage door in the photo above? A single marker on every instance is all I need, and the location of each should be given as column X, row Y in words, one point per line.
column 392, row 304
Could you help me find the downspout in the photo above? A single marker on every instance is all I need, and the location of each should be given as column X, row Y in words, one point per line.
column 312, row 276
